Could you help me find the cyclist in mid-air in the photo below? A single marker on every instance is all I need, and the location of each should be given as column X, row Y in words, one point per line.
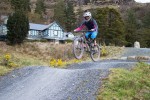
column 90, row 24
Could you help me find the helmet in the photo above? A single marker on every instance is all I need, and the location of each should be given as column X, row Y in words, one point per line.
column 87, row 14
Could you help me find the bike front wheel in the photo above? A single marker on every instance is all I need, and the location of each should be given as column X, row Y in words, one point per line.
column 95, row 53
column 78, row 48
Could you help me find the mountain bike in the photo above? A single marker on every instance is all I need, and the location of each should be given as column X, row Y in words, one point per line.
column 81, row 44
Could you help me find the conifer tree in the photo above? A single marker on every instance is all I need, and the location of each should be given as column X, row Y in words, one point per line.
column 116, row 29
column 138, row 26
column 131, row 27
column 146, row 20
column 70, row 16
column 59, row 14
column 18, row 27
column 18, row 24
column 111, row 26
column 64, row 14
column 40, row 7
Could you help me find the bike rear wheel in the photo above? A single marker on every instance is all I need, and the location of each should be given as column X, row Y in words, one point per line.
column 95, row 53
column 78, row 48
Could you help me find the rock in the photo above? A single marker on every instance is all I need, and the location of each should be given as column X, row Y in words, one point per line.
column 123, row 58
column 136, row 44
column 140, row 58
column 131, row 58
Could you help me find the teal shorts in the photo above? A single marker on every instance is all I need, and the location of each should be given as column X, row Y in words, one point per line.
column 91, row 35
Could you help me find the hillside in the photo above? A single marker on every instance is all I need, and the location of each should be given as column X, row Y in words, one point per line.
column 5, row 8
column 79, row 4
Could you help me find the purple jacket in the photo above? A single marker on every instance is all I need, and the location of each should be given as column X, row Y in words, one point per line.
column 92, row 24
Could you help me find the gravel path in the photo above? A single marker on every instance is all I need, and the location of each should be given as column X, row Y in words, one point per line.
column 77, row 82
column 136, row 52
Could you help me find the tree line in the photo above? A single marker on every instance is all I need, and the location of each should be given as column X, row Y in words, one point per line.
column 137, row 25
column 113, row 28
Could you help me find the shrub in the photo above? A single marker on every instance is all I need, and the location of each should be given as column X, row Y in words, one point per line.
column 57, row 63
column 104, row 51
column 6, row 60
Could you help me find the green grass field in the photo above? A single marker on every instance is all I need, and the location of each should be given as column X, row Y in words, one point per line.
column 123, row 84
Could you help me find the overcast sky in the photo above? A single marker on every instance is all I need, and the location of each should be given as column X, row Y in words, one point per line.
column 143, row 1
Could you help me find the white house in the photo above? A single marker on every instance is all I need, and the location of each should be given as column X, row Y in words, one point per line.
column 53, row 32
column 68, row 36
column 36, row 31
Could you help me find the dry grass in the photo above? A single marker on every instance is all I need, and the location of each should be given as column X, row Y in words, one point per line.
column 41, row 53
column 40, row 50
column 34, row 53
column 37, row 53
column 44, row 51
column 4, row 70
column 114, row 52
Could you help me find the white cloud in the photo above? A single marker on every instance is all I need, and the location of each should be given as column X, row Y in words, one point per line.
column 143, row 1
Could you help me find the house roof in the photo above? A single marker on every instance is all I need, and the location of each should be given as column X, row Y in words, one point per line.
column 37, row 26
column 41, row 26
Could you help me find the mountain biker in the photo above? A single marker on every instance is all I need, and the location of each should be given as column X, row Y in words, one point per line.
column 90, row 24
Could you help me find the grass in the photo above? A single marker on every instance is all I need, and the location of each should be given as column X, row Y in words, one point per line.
column 111, row 52
column 123, row 84
column 27, row 60
column 41, row 54
column 34, row 54
column 4, row 70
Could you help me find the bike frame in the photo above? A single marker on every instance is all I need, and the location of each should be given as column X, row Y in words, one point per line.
column 89, row 47
column 87, row 42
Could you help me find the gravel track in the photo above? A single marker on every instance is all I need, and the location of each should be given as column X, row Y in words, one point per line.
column 77, row 82
column 136, row 52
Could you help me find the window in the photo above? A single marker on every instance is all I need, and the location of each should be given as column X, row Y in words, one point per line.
column 40, row 33
column 31, row 32
column 55, row 33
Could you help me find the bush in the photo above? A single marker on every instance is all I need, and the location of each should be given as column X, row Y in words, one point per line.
column 18, row 27
column 104, row 51
column 6, row 60
column 57, row 63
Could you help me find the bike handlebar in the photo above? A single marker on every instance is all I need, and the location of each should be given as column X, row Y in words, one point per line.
column 84, row 31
